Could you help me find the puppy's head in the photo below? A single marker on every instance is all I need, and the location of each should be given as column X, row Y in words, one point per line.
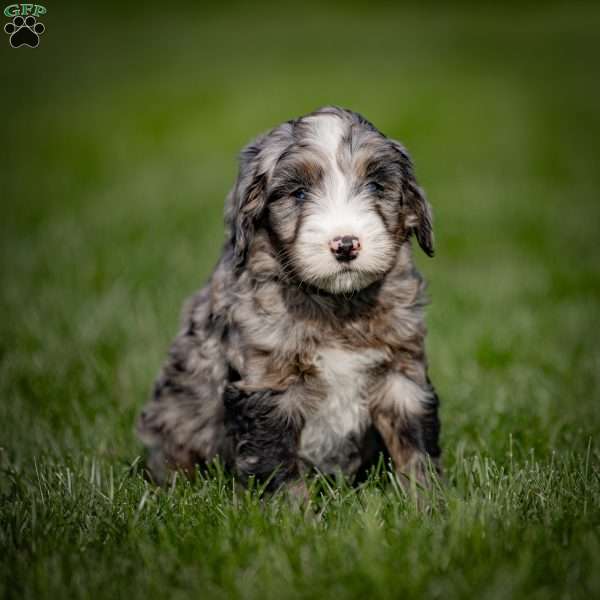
column 335, row 196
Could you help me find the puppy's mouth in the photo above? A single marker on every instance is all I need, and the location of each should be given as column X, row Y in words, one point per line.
column 345, row 280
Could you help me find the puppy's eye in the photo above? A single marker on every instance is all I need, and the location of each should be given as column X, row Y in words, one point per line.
column 300, row 194
column 374, row 188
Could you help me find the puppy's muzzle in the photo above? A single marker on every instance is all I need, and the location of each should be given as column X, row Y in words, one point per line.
column 345, row 248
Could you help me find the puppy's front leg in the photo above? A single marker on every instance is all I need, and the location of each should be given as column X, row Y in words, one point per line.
column 260, row 441
column 405, row 415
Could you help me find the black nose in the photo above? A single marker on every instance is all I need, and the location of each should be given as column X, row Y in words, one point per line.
column 345, row 248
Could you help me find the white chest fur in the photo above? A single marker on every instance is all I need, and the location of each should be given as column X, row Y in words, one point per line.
column 329, row 437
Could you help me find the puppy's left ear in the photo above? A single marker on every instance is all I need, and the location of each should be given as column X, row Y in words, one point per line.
column 419, row 218
column 417, row 211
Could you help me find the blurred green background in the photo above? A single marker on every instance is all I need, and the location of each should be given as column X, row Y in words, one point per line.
column 119, row 141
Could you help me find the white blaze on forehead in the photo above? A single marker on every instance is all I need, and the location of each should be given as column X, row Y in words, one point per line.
column 336, row 217
column 328, row 132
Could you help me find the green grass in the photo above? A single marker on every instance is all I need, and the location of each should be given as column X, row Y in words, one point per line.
column 119, row 136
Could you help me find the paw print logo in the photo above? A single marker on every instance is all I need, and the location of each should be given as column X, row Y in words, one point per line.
column 24, row 31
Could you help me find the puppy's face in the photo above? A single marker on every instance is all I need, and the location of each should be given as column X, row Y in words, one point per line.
column 337, row 199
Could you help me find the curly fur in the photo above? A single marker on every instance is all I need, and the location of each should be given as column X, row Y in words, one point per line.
column 289, row 359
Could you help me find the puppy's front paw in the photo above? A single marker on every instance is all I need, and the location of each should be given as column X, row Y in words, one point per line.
column 261, row 443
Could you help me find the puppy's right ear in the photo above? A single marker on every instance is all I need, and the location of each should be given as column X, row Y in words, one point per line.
column 246, row 202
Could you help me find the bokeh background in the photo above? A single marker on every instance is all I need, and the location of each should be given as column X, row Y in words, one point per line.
column 119, row 141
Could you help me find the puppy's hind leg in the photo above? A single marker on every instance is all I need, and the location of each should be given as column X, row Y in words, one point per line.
column 182, row 425
column 181, row 431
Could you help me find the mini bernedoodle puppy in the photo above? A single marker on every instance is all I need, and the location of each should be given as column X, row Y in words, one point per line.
column 306, row 348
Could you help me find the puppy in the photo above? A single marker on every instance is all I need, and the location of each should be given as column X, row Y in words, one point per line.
column 306, row 348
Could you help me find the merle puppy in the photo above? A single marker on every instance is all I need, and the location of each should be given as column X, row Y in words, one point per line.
column 306, row 348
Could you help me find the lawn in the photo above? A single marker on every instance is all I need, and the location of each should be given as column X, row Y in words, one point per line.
column 119, row 138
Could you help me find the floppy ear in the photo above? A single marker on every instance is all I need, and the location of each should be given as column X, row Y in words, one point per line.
column 246, row 201
column 417, row 210
column 419, row 218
